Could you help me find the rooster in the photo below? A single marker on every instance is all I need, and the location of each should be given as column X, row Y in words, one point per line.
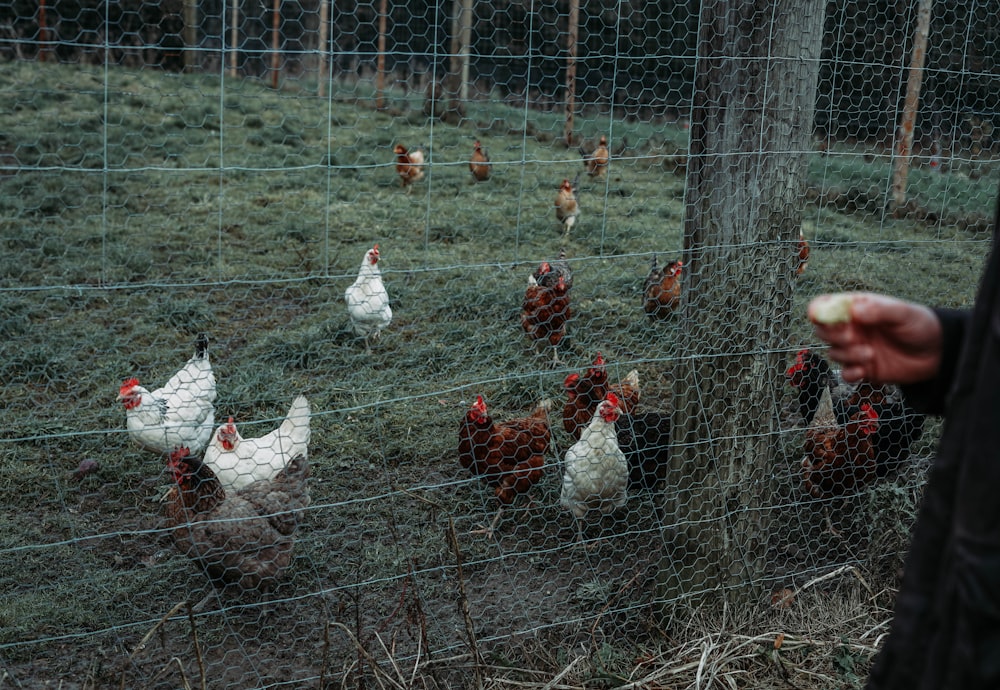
column 367, row 300
column 238, row 461
column 584, row 394
column 597, row 161
column 567, row 206
column 181, row 412
column 409, row 165
column 479, row 163
column 596, row 474
column 899, row 426
column 545, row 311
column 244, row 538
column 661, row 293
column 839, row 458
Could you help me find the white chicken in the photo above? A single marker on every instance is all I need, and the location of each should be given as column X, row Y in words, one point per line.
column 238, row 461
column 596, row 475
column 180, row 413
column 367, row 300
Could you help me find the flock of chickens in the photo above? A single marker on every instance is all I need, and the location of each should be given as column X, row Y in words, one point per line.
column 235, row 503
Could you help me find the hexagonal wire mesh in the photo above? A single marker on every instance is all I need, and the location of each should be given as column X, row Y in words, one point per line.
column 173, row 169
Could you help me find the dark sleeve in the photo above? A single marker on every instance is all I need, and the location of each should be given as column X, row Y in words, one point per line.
column 928, row 397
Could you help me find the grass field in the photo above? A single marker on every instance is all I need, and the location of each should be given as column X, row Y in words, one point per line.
column 138, row 209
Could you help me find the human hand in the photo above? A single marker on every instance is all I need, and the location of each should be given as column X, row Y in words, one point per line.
column 884, row 340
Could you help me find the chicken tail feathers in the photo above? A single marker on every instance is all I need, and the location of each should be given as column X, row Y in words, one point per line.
column 296, row 423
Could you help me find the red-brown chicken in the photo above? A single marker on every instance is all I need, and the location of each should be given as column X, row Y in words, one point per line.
column 508, row 455
column 545, row 311
column 409, row 164
column 597, row 161
column 549, row 272
column 839, row 458
column 479, row 163
column 243, row 539
column 803, row 254
column 662, row 290
column 899, row 427
column 584, row 394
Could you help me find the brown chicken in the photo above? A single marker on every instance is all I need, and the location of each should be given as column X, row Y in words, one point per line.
column 662, row 290
column 803, row 254
column 409, row 164
column 545, row 311
column 567, row 206
column 839, row 458
column 479, row 163
column 507, row 455
column 597, row 161
column 245, row 538
column 584, row 394
column 549, row 272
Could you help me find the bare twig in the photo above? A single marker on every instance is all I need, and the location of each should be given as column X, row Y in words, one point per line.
column 197, row 648
column 470, row 629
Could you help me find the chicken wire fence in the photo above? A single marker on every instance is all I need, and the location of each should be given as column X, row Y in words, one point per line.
column 169, row 170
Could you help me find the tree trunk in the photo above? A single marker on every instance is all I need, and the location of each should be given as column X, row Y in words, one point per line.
column 904, row 137
column 751, row 130
column 324, row 40
column 234, row 38
column 383, row 22
column 191, row 57
column 572, row 33
column 458, row 71
column 275, row 43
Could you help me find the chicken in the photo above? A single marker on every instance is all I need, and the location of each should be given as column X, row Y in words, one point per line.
column 567, row 206
column 479, row 163
column 181, row 412
column 544, row 313
column 409, row 165
column 367, row 300
column 803, row 254
column 809, row 375
column 548, row 273
column 644, row 438
column 243, row 538
column 839, row 458
column 596, row 472
column 508, row 455
column 661, row 293
column 597, row 161
column 899, row 426
column 237, row 461
column 584, row 394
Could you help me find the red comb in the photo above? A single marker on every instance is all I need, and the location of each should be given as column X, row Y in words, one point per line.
column 127, row 385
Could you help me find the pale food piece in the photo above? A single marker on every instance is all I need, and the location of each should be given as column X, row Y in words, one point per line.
column 832, row 309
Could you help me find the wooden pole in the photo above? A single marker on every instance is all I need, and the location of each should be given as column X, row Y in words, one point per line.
column 465, row 40
column 43, row 33
column 190, row 34
column 904, row 135
column 234, row 37
column 324, row 38
column 383, row 20
column 275, row 42
column 572, row 34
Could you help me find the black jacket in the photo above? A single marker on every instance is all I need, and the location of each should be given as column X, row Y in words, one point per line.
column 945, row 634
